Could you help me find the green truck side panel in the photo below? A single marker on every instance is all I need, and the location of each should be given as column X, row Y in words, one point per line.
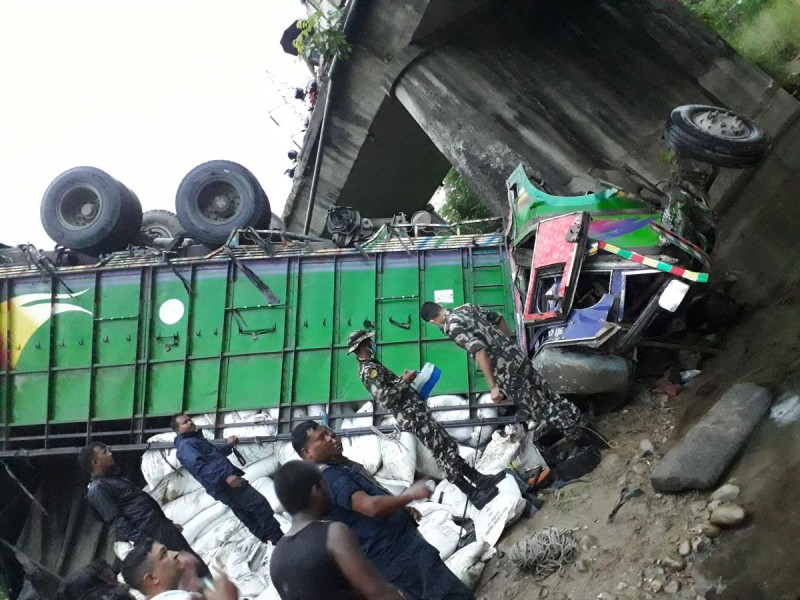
column 133, row 342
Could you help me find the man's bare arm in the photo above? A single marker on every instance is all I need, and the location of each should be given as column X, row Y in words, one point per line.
column 342, row 545
column 386, row 506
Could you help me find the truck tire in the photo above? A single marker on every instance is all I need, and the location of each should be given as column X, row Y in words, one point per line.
column 217, row 197
column 159, row 223
column 716, row 136
column 86, row 209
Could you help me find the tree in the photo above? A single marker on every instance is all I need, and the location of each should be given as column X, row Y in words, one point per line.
column 461, row 203
column 324, row 34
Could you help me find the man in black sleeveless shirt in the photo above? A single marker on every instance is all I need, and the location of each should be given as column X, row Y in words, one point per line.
column 385, row 529
column 332, row 566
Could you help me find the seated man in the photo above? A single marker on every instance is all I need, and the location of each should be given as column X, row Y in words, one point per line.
column 156, row 572
column 333, row 566
column 223, row 481
column 385, row 530
column 133, row 514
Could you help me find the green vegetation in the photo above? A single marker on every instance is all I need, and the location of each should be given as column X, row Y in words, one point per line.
column 461, row 203
column 766, row 32
column 323, row 32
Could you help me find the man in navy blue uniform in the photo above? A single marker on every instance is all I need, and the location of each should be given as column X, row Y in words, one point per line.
column 132, row 513
column 384, row 525
column 222, row 480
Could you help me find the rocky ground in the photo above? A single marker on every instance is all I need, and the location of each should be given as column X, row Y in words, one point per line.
column 654, row 543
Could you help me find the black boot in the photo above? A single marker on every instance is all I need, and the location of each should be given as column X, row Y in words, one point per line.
column 479, row 497
column 482, row 481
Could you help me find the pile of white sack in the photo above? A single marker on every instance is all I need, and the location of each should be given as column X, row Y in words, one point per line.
column 395, row 459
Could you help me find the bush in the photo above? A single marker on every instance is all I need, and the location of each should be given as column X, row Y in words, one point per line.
column 461, row 203
column 766, row 32
column 323, row 33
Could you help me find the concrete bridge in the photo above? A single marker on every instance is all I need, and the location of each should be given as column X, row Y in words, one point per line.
column 561, row 87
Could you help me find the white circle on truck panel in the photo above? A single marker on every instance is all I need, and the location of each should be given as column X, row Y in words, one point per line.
column 171, row 311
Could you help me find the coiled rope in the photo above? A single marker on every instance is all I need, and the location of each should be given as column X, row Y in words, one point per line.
column 545, row 552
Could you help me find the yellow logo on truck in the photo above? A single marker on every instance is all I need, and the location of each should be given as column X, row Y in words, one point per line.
column 23, row 315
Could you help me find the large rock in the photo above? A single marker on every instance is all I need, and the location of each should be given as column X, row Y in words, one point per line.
column 699, row 460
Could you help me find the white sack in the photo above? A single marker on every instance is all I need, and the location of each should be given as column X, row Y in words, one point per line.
column 315, row 411
column 266, row 487
column 461, row 434
column 482, row 433
column 398, row 458
column 285, row 452
column 450, row 497
column 498, row 454
column 204, row 520
column 157, row 464
column 265, row 428
column 528, row 456
column 441, row 534
column 187, row 507
column 121, row 549
column 427, row 465
column 364, row 449
column 225, row 530
column 468, row 563
column 173, row 486
column 266, row 467
column 180, row 483
column 495, row 517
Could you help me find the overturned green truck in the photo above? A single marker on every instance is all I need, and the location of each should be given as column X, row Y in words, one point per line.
column 112, row 350
column 110, row 346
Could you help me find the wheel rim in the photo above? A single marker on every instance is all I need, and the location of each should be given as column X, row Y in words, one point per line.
column 219, row 202
column 156, row 231
column 722, row 124
column 78, row 208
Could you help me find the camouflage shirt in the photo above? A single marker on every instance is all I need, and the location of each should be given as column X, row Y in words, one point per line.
column 475, row 329
column 386, row 388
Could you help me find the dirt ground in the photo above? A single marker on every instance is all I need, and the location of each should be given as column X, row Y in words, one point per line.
column 618, row 559
column 636, row 556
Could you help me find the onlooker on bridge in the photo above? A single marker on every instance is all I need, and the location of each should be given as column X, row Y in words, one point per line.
column 222, row 480
column 333, row 566
column 385, row 527
column 133, row 514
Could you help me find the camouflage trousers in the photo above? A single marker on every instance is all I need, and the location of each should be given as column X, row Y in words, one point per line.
column 536, row 400
column 414, row 416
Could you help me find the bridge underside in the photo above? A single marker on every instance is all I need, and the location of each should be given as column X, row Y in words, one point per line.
column 563, row 88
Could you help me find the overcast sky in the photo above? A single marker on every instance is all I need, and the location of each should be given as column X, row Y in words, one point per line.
column 144, row 90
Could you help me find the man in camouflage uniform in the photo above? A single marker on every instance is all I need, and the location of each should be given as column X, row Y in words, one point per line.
column 396, row 395
column 485, row 335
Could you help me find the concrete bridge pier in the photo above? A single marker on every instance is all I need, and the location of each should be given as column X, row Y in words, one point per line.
column 565, row 87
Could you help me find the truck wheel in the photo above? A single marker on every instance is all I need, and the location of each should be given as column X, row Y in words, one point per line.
column 159, row 224
column 716, row 136
column 217, row 197
column 86, row 209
